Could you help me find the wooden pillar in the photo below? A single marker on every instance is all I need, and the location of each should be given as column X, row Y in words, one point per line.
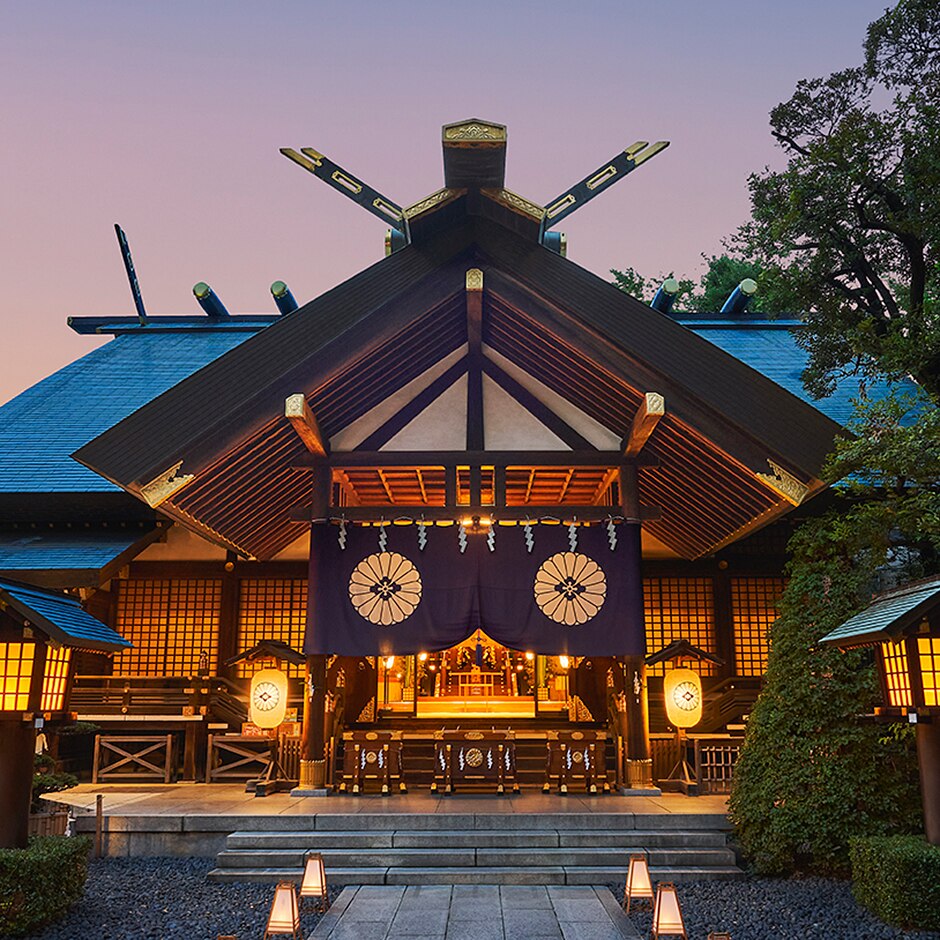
column 313, row 745
column 928, row 760
column 639, row 764
column 17, row 743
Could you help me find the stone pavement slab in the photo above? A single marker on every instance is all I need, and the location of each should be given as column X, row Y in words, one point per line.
column 475, row 912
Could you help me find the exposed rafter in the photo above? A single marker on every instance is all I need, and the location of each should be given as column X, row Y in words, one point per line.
column 304, row 422
column 647, row 416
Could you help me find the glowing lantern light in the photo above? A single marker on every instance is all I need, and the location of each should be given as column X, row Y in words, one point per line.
column 683, row 693
column 314, row 881
column 284, row 918
column 268, row 698
column 667, row 915
column 638, row 884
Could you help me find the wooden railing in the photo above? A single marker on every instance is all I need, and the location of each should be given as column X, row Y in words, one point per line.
column 128, row 758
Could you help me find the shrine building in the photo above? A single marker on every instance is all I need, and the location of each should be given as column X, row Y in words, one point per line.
column 474, row 485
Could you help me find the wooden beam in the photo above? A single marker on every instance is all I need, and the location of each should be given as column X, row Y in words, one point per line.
column 481, row 458
column 647, row 416
column 298, row 412
column 518, row 513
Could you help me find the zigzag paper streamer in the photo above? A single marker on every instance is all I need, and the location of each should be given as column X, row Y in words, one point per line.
column 611, row 534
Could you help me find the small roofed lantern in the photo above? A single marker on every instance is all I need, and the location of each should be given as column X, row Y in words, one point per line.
column 903, row 626
column 284, row 918
column 685, row 699
column 267, row 701
column 39, row 630
column 639, row 887
column 313, row 884
column 667, row 913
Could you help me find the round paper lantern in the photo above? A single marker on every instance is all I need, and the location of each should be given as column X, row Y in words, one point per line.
column 267, row 703
column 683, row 691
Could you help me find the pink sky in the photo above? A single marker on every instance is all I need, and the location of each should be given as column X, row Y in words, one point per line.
column 167, row 118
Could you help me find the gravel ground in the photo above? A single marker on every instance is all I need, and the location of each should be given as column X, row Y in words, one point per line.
column 778, row 908
column 166, row 899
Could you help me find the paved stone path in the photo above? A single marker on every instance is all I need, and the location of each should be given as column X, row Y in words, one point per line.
column 475, row 912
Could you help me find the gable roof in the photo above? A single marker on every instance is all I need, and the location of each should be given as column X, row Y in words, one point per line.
column 350, row 347
column 61, row 618
column 42, row 426
column 888, row 616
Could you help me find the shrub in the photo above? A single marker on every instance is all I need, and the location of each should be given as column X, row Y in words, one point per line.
column 39, row 884
column 810, row 775
column 898, row 879
column 46, row 780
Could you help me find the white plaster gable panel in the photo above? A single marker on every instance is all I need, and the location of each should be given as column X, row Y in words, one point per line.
column 601, row 437
column 354, row 434
column 508, row 426
column 441, row 426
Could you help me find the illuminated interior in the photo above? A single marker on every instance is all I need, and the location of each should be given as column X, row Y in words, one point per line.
column 897, row 678
column 16, row 672
column 55, row 679
column 928, row 651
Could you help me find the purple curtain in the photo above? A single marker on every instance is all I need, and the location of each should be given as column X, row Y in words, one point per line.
column 583, row 602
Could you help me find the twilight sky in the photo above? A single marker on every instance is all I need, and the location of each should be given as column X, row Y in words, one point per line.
column 167, row 117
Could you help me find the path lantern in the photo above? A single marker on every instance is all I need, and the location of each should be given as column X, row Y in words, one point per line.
column 284, row 918
column 904, row 628
column 639, row 887
column 313, row 885
column 667, row 913
column 38, row 632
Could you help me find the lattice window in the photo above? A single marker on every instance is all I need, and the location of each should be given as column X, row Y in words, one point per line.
column 55, row 679
column 679, row 609
column 16, row 673
column 272, row 609
column 928, row 651
column 173, row 624
column 754, row 608
column 897, row 678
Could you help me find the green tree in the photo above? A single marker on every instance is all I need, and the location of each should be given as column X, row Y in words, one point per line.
column 851, row 225
column 811, row 775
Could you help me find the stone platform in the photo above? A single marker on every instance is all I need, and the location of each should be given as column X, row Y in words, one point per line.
column 416, row 838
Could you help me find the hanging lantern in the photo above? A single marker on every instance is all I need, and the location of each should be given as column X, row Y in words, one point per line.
column 284, row 919
column 314, row 881
column 683, row 693
column 268, row 698
column 639, row 886
column 667, row 914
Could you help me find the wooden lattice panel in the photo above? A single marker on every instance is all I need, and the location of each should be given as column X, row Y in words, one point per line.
column 679, row 609
column 754, row 609
column 173, row 624
column 271, row 609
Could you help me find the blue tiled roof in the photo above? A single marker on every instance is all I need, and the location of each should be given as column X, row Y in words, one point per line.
column 62, row 618
column 44, row 549
column 42, row 426
column 769, row 347
column 887, row 616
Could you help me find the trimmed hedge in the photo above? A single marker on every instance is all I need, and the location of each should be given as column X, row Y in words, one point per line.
column 40, row 883
column 898, row 879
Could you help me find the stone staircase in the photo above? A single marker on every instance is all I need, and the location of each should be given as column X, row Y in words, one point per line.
column 510, row 848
